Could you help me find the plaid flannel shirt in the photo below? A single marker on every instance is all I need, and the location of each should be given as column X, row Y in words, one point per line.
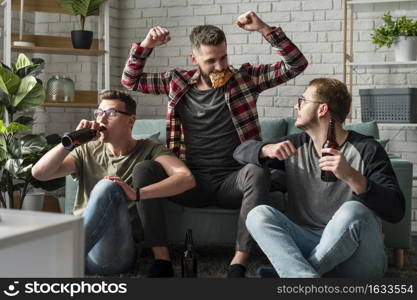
column 242, row 90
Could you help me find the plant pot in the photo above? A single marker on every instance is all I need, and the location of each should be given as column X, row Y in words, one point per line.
column 405, row 48
column 8, row 202
column 34, row 201
column 12, row 204
column 81, row 39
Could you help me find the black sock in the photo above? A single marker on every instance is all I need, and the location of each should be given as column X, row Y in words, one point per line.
column 236, row 271
column 161, row 269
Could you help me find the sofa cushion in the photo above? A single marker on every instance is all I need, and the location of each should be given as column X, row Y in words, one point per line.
column 273, row 128
column 365, row 128
column 150, row 126
column 291, row 126
column 383, row 142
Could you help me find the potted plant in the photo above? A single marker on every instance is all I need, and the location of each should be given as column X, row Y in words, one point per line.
column 19, row 149
column 402, row 32
column 81, row 39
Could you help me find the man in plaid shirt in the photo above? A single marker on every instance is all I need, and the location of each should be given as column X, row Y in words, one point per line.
column 205, row 125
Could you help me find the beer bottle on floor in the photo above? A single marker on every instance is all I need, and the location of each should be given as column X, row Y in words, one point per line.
column 189, row 260
column 329, row 143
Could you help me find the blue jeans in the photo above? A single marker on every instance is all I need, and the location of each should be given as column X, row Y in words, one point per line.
column 351, row 244
column 109, row 245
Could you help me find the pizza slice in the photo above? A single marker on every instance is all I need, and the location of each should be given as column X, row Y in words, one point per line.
column 219, row 79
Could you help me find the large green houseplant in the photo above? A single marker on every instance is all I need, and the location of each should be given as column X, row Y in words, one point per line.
column 400, row 32
column 19, row 149
column 81, row 39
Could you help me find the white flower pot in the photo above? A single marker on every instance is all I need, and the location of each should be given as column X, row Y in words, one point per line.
column 405, row 48
column 34, row 201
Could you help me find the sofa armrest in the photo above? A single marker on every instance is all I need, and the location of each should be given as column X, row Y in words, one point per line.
column 398, row 235
column 71, row 187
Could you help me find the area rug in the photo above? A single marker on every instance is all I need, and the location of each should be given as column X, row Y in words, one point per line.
column 213, row 262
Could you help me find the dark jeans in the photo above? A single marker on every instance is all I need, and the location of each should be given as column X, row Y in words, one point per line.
column 245, row 188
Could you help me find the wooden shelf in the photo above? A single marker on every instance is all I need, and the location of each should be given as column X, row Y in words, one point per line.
column 72, row 104
column 376, row 1
column 54, row 44
column 87, row 99
column 51, row 44
column 396, row 125
column 383, row 63
column 49, row 6
column 53, row 50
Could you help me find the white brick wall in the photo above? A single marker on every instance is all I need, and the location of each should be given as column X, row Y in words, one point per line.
column 315, row 26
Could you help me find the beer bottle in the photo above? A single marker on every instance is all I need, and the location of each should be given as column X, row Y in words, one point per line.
column 329, row 143
column 73, row 139
column 189, row 260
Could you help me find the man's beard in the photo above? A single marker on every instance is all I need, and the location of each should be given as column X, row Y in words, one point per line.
column 205, row 77
column 308, row 124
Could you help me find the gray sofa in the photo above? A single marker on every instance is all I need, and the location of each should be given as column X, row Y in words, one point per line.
column 215, row 225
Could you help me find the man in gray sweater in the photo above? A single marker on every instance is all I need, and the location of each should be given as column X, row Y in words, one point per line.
column 329, row 228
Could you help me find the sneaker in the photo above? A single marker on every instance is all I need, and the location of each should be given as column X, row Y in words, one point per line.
column 161, row 269
column 266, row 272
column 236, row 271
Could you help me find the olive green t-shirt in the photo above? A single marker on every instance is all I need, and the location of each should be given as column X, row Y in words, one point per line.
column 93, row 161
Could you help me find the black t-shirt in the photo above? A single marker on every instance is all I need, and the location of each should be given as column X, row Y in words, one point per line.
column 209, row 132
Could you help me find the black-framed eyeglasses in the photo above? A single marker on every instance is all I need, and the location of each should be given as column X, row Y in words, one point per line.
column 111, row 113
column 301, row 99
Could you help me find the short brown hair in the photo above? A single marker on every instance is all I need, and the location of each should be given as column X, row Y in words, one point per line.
column 206, row 35
column 335, row 94
column 130, row 104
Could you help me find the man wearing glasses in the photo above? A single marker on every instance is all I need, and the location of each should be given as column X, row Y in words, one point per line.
column 106, row 171
column 330, row 228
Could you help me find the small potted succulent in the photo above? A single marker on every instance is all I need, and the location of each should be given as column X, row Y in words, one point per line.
column 400, row 32
column 81, row 39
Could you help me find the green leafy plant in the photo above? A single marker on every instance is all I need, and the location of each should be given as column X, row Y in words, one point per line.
column 19, row 149
column 82, row 8
column 391, row 28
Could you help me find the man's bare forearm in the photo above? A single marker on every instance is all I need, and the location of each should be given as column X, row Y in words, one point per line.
column 173, row 185
column 49, row 166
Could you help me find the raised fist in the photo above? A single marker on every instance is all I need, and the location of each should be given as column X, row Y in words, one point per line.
column 156, row 36
column 251, row 22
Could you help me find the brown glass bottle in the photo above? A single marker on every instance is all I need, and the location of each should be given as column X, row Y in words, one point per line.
column 189, row 260
column 330, row 142
column 79, row 137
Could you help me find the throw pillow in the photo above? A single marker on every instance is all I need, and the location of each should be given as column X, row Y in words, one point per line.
column 273, row 128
